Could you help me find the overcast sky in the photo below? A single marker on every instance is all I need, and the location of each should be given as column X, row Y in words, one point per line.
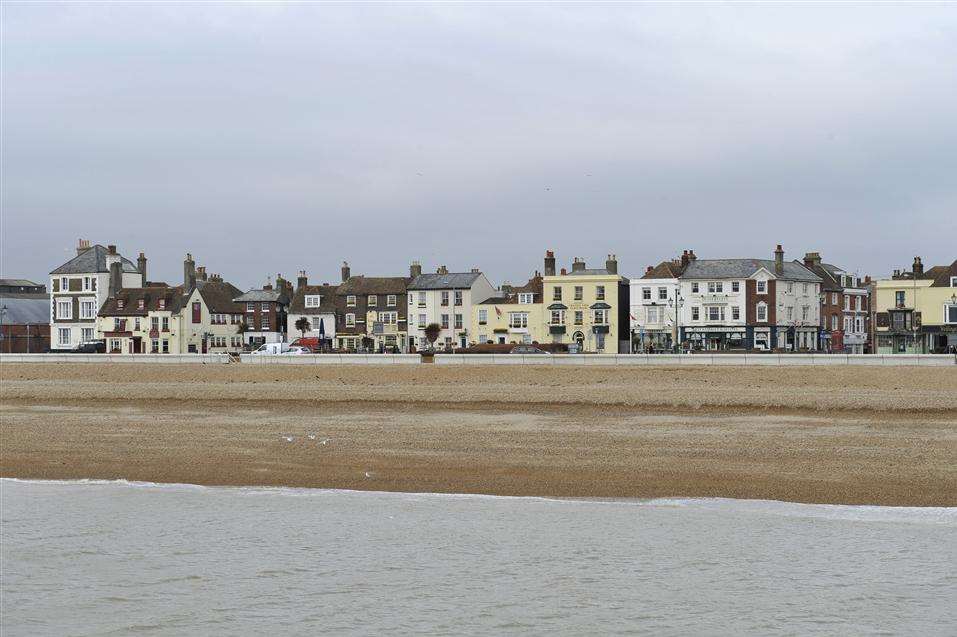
column 268, row 138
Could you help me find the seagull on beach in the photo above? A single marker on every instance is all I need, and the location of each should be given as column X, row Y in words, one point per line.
column 288, row 438
column 311, row 436
column 325, row 441
column 369, row 474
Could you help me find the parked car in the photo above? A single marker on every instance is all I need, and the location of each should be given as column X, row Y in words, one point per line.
column 90, row 347
column 527, row 349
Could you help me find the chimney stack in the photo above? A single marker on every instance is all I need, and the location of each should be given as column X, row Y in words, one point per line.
column 578, row 264
column 692, row 256
column 649, row 268
column 302, row 281
column 346, row 272
column 549, row 263
column 189, row 272
column 116, row 278
column 442, row 270
column 82, row 246
column 111, row 249
column 415, row 269
column 201, row 272
column 685, row 259
column 564, row 271
column 141, row 266
column 811, row 259
column 779, row 260
column 611, row 264
column 918, row 268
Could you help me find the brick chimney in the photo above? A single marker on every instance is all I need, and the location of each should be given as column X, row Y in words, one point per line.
column 685, row 259
column 611, row 264
column 811, row 259
column 415, row 269
column 779, row 260
column 549, row 263
column 301, row 281
column 442, row 270
column 346, row 272
column 692, row 256
column 917, row 268
column 564, row 271
column 189, row 272
column 82, row 246
column 578, row 264
column 141, row 266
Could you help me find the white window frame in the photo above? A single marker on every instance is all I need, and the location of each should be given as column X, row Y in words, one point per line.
column 390, row 300
column 518, row 319
column 579, row 292
column 761, row 312
column 459, row 321
column 652, row 314
column 526, row 298
column 68, row 304
column 662, row 294
column 250, row 307
column 557, row 317
column 313, row 300
column 372, row 300
column 89, row 303
column 350, row 320
column 483, row 317
column 350, row 300
column 735, row 313
column 600, row 317
column 645, row 294
column 389, row 318
column 599, row 292
column 761, row 287
column 64, row 284
column 457, row 298
column 947, row 307
column 421, row 321
column 694, row 287
column 579, row 317
column 695, row 313
column 735, row 286
column 64, row 332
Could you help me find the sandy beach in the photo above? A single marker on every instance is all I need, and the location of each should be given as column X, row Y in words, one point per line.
column 829, row 435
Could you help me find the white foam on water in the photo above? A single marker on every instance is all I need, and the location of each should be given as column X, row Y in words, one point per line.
column 945, row 516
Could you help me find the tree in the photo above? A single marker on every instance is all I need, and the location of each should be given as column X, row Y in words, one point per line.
column 303, row 325
column 432, row 331
column 241, row 329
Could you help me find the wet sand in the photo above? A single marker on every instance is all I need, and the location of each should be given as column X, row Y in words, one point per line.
column 830, row 435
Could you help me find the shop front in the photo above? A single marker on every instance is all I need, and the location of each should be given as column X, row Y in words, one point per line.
column 716, row 338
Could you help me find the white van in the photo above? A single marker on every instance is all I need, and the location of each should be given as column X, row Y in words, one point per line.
column 271, row 348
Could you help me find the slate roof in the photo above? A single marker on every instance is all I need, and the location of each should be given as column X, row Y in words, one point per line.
column 218, row 296
column 327, row 303
column 25, row 309
column 175, row 299
column 744, row 268
column 533, row 286
column 450, row 281
column 829, row 275
column 19, row 283
column 943, row 274
column 263, row 296
column 361, row 285
column 92, row 260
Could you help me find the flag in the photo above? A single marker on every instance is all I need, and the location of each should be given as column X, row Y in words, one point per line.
column 498, row 312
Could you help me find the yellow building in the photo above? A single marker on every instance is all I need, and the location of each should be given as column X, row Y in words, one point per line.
column 515, row 315
column 916, row 311
column 587, row 309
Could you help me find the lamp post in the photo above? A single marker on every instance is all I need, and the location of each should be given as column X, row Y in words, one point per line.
column 3, row 312
column 676, row 303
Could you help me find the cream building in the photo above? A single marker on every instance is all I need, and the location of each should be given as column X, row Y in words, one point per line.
column 587, row 309
column 915, row 312
column 447, row 299
column 514, row 315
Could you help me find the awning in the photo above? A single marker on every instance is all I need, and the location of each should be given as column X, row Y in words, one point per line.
column 600, row 306
column 557, row 306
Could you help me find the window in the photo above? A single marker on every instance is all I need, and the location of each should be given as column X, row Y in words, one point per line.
column 526, row 298
column 847, row 303
column 762, row 287
column 556, row 293
column 445, row 321
column 804, row 289
column 483, row 317
column 833, row 298
column 600, row 292
column 313, row 300
column 483, row 338
column 834, row 322
column 64, row 284
column 601, row 317
column 350, row 300
column 155, row 323
column 458, row 321
column 579, row 292
column 389, row 318
column 250, row 307
column 715, row 313
column 735, row 286
column 445, row 298
column 735, row 313
column 390, row 300
column 715, row 287
column 805, row 311
column 165, row 323
column 421, row 299
column 762, row 312
column 86, row 283
column 791, row 287
column 694, row 287
column 662, row 294
column 373, row 300
column 350, row 320
column 859, row 324
column 899, row 320
column 646, row 294
column 120, row 303
column 115, row 345
column 154, row 346
column 86, row 334
column 63, row 335
column 165, row 346
column 899, row 298
column 518, row 319
column 950, row 313
column 558, row 317
column 264, row 323
column 421, row 321
column 579, row 317
column 652, row 314
column 695, row 313
column 64, row 309
column 458, row 297
column 953, row 281
column 790, row 313
column 136, row 324
column 87, row 309
column 198, row 313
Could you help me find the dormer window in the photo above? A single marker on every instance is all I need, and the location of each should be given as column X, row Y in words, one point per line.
column 141, row 304
column 162, row 304
column 526, row 298
column 313, row 300
column 120, row 303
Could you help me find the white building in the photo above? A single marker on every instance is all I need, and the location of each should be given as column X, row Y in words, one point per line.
column 749, row 304
column 317, row 304
column 653, row 310
column 445, row 298
column 79, row 287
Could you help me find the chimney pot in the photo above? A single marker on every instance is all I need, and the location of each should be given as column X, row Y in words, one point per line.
column 549, row 263
column 346, row 272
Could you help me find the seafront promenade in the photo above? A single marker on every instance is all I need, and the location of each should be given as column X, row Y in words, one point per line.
column 830, row 434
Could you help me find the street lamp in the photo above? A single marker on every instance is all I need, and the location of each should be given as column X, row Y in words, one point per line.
column 676, row 303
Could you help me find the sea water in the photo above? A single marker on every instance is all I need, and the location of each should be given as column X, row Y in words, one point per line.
column 116, row 558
